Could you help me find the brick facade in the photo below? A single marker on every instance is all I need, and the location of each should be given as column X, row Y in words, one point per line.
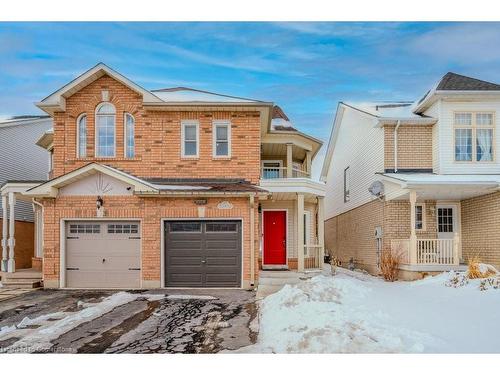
column 150, row 211
column 414, row 147
column 157, row 137
column 481, row 228
column 352, row 234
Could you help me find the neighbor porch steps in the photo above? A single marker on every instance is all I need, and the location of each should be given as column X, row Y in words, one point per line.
column 272, row 281
column 22, row 279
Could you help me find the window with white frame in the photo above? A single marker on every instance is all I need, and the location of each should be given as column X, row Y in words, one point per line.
column 81, row 133
column 105, row 130
column 129, row 136
column 347, row 185
column 474, row 132
column 419, row 217
column 221, row 131
column 190, row 138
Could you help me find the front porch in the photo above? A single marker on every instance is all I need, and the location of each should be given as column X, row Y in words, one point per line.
column 291, row 232
column 12, row 193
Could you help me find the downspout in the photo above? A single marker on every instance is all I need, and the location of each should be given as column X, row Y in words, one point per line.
column 396, row 146
column 252, row 240
column 40, row 230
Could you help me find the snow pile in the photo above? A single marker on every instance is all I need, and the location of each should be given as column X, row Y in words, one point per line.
column 456, row 279
column 325, row 315
column 50, row 326
column 357, row 313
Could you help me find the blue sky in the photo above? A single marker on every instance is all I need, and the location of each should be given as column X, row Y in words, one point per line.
column 304, row 67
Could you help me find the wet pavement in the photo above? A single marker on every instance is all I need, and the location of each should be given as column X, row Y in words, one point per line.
column 166, row 325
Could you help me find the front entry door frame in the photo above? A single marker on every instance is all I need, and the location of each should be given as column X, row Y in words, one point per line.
column 275, row 266
column 457, row 221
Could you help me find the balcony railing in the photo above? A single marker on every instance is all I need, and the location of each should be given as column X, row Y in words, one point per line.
column 313, row 257
column 428, row 251
column 270, row 173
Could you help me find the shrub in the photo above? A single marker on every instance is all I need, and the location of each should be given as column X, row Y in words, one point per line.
column 478, row 270
column 389, row 264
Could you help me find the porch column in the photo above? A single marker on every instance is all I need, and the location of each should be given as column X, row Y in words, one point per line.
column 413, row 234
column 252, row 240
column 308, row 163
column 300, row 232
column 456, row 247
column 11, row 263
column 5, row 232
column 289, row 160
column 321, row 229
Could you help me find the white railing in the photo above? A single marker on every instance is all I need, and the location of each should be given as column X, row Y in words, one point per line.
column 299, row 173
column 313, row 257
column 270, row 173
column 435, row 251
column 427, row 251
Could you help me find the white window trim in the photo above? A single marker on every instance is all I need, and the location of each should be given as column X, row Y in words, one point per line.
column 307, row 227
column 96, row 141
column 78, row 135
column 280, row 162
column 474, row 127
column 185, row 123
column 216, row 123
column 423, row 217
column 125, row 135
column 347, row 183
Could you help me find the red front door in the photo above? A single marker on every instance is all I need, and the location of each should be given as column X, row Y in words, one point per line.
column 274, row 238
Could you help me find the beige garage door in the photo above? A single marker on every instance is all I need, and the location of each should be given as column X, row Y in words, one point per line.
column 103, row 254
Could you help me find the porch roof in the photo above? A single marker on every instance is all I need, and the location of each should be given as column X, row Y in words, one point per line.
column 436, row 186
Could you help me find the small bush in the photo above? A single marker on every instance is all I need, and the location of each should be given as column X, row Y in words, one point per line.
column 478, row 270
column 389, row 264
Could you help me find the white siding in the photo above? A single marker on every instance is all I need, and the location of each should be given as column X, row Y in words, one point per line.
column 22, row 159
column 447, row 164
column 434, row 111
column 359, row 146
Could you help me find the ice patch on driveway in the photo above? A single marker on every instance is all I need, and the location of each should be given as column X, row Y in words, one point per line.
column 189, row 296
column 39, row 339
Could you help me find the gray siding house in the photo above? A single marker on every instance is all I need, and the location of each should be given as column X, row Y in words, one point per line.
column 21, row 159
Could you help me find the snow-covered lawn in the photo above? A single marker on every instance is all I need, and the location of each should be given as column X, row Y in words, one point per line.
column 357, row 313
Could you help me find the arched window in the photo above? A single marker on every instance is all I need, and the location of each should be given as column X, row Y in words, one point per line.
column 81, row 134
column 129, row 136
column 105, row 130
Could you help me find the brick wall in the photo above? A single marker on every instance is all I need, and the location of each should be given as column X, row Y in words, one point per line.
column 157, row 137
column 352, row 234
column 25, row 243
column 414, row 147
column 150, row 211
column 481, row 228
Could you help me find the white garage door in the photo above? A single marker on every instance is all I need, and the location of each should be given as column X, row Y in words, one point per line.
column 103, row 254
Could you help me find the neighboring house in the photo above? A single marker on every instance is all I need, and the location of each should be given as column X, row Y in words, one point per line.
column 173, row 188
column 420, row 178
column 20, row 160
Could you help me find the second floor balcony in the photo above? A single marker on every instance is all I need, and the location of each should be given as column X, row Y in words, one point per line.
column 285, row 161
column 269, row 172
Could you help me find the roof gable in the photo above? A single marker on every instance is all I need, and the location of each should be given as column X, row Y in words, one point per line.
column 57, row 100
column 452, row 81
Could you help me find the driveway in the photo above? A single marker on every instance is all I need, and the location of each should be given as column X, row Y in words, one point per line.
column 158, row 321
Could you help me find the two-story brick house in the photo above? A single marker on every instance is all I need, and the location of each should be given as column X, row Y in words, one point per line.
column 419, row 178
column 172, row 188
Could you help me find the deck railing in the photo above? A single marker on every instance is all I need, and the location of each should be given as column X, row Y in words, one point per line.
column 270, row 173
column 313, row 257
column 435, row 251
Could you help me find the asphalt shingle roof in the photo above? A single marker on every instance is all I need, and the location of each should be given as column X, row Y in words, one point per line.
column 453, row 81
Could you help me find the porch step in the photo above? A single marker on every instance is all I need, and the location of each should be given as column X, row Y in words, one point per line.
column 272, row 281
column 22, row 283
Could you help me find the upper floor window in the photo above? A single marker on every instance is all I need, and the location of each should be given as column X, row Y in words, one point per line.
column 81, row 133
column 105, row 130
column 190, row 138
column 474, row 136
column 129, row 136
column 221, row 138
column 347, row 185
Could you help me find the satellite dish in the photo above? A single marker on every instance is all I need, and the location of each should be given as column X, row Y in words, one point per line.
column 377, row 189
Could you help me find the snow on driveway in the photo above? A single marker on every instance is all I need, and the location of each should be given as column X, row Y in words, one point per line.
column 356, row 313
